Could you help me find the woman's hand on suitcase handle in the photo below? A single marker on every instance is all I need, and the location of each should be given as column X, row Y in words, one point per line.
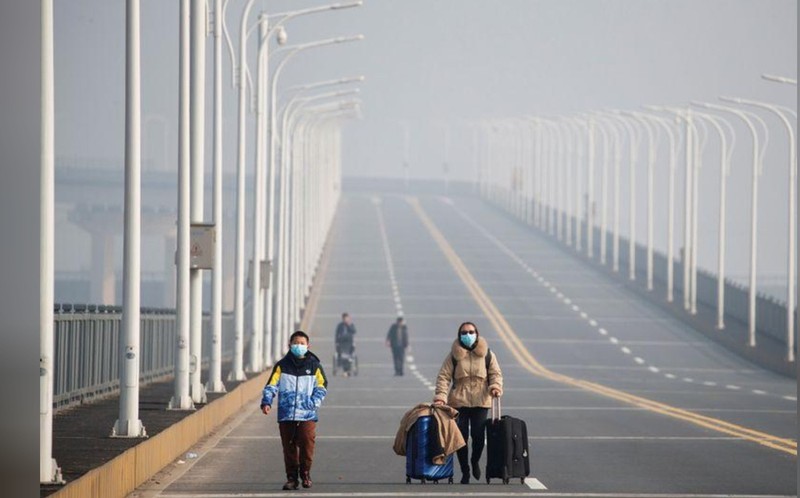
column 495, row 393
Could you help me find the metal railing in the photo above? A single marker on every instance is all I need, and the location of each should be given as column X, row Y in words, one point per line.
column 770, row 311
column 87, row 349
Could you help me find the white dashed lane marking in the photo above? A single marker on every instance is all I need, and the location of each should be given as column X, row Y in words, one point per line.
column 592, row 322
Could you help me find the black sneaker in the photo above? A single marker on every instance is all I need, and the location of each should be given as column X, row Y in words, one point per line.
column 291, row 485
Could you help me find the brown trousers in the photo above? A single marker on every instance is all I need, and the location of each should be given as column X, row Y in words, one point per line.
column 298, row 440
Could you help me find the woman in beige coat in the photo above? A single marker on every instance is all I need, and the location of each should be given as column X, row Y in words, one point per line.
column 470, row 376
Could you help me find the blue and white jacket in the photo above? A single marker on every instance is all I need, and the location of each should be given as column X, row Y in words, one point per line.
column 300, row 384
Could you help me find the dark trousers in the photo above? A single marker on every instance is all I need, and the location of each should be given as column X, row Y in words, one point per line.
column 472, row 419
column 298, row 440
column 399, row 355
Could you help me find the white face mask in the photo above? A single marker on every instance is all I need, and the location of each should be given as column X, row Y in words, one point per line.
column 468, row 339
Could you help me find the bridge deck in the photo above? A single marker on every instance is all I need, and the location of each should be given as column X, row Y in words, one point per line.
column 668, row 411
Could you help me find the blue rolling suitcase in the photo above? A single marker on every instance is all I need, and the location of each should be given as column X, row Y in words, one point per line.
column 420, row 445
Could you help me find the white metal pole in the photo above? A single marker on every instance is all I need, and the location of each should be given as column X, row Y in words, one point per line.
column 198, row 93
column 559, row 180
column 687, row 211
column 752, row 291
column 280, row 316
column 568, row 181
column 603, row 194
column 670, row 202
column 270, row 321
column 724, row 168
column 578, row 194
column 617, row 168
column 673, row 152
column 652, row 143
column 237, row 370
column 214, row 383
column 634, row 146
column 128, row 423
column 49, row 472
column 792, row 242
column 590, row 193
column 181, row 399
column 257, row 321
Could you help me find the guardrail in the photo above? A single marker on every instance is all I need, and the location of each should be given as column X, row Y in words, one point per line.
column 87, row 349
column 770, row 312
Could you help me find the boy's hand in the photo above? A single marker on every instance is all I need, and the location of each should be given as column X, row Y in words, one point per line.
column 265, row 409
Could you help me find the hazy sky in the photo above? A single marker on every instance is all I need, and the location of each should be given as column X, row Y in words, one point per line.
column 436, row 63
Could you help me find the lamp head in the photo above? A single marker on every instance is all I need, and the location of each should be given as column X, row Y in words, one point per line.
column 337, row 6
column 281, row 37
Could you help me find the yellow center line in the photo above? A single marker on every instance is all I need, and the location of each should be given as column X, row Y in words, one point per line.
column 529, row 362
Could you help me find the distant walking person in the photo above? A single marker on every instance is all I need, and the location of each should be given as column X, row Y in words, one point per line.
column 397, row 339
column 300, row 384
column 345, row 342
column 468, row 380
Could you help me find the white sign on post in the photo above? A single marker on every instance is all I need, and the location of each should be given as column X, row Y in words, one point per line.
column 201, row 246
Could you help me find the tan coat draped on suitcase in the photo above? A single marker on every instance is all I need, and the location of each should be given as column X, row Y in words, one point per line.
column 450, row 438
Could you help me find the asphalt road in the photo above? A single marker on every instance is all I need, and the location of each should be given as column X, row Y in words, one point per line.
column 619, row 397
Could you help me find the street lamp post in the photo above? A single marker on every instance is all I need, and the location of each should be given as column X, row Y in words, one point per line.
column 792, row 248
column 300, row 206
column 724, row 170
column 49, row 472
column 652, row 144
column 286, row 299
column 181, row 398
column 687, row 234
column 673, row 146
column 576, row 125
column 756, row 172
column 272, row 141
column 601, row 126
column 214, row 383
column 128, row 425
column 240, row 74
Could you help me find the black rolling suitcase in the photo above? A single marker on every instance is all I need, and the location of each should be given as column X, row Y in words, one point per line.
column 506, row 447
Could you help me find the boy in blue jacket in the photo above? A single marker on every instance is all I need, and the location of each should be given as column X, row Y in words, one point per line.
column 301, row 385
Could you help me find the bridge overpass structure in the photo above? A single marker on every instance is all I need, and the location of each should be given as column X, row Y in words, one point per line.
column 621, row 396
column 625, row 392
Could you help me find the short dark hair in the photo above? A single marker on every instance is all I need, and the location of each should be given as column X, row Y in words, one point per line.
column 400, row 318
column 345, row 315
column 299, row 333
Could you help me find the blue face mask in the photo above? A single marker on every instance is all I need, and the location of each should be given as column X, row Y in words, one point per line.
column 468, row 339
column 299, row 350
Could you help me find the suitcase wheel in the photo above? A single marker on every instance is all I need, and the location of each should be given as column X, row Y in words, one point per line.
column 522, row 480
column 488, row 480
column 422, row 481
column 408, row 480
column 506, row 481
column 450, row 481
column 436, row 481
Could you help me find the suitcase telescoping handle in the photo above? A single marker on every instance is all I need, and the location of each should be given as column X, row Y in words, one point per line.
column 496, row 409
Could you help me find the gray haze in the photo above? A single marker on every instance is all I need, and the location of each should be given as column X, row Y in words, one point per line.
column 439, row 64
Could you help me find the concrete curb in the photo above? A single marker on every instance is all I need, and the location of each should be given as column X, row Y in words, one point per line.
column 123, row 474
